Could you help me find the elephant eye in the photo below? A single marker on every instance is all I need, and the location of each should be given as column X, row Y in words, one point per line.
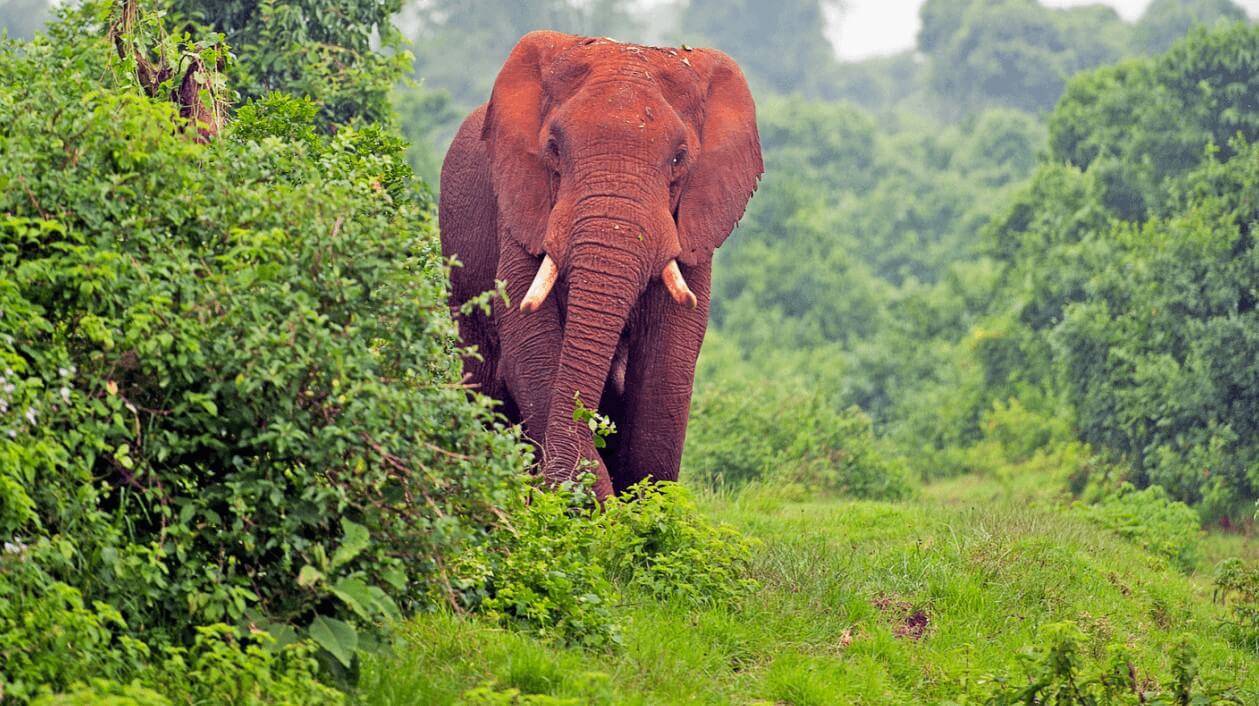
column 552, row 147
column 679, row 157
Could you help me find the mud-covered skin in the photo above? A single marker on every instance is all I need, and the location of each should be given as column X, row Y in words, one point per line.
column 614, row 161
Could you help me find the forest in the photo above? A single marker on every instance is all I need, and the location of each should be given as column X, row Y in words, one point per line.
column 975, row 421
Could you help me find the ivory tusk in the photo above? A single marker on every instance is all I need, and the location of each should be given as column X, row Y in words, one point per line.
column 541, row 287
column 676, row 285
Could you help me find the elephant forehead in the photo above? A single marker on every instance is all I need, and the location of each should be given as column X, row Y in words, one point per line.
column 591, row 123
column 667, row 73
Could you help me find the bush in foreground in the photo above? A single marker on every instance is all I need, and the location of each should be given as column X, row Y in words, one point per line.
column 566, row 563
column 230, row 392
column 1056, row 672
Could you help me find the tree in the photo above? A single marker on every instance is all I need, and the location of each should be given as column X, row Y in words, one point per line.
column 460, row 44
column 1143, row 122
column 940, row 21
column 1128, row 269
column 311, row 48
column 781, row 46
column 1014, row 52
column 1165, row 21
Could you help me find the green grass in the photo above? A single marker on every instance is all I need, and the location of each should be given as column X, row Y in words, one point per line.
column 839, row 582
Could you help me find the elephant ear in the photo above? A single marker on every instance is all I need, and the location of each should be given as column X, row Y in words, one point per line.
column 724, row 175
column 513, row 121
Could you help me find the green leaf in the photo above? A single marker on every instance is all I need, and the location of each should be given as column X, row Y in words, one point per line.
column 354, row 540
column 355, row 594
column 284, row 635
column 339, row 638
column 383, row 603
column 309, row 576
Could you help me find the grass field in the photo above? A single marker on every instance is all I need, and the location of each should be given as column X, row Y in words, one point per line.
column 860, row 602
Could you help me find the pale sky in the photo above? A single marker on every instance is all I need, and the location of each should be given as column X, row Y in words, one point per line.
column 877, row 27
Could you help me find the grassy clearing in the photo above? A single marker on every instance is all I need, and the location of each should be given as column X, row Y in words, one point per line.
column 861, row 602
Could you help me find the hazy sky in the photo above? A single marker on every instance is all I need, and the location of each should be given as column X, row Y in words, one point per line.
column 874, row 27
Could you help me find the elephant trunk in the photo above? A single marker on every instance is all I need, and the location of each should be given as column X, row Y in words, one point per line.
column 603, row 283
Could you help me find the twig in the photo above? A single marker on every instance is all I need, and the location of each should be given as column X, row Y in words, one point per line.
column 34, row 201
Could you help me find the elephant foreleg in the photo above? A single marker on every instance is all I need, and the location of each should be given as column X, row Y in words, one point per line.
column 658, row 381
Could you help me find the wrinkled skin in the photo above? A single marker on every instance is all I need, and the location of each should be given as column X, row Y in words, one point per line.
column 619, row 169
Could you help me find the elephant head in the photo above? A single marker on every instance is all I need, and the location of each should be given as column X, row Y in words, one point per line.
column 613, row 163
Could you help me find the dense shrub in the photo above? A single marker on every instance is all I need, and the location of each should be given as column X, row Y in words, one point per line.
column 653, row 539
column 542, row 576
column 1057, row 671
column 1151, row 519
column 566, row 562
column 1237, row 587
column 773, row 434
column 230, row 392
column 51, row 638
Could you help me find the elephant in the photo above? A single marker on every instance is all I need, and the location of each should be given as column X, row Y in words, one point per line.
column 596, row 184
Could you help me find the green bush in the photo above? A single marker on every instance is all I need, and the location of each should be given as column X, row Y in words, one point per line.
column 1237, row 586
column 564, row 563
column 230, row 390
column 1151, row 519
column 1056, row 672
column 653, row 539
column 101, row 692
column 49, row 639
column 542, row 576
column 51, row 635
column 761, row 432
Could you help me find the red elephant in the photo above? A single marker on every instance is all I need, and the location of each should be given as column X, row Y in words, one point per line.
column 596, row 183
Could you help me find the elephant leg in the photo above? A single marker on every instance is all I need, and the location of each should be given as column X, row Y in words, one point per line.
column 480, row 369
column 529, row 346
column 612, row 405
column 658, row 381
column 469, row 233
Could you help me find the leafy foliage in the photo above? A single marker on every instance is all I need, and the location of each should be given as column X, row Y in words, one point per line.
column 1153, row 520
column 654, row 540
column 782, row 45
column 1015, row 52
column 784, row 436
column 50, row 638
column 1138, row 124
column 1056, row 674
column 311, row 49
column 1237, row 586
column 567, row 562
column 461, row 44
column 1020, row 53
column 230, row 389
column 543, row 577
column 1165, row 21
column 1126, row 320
